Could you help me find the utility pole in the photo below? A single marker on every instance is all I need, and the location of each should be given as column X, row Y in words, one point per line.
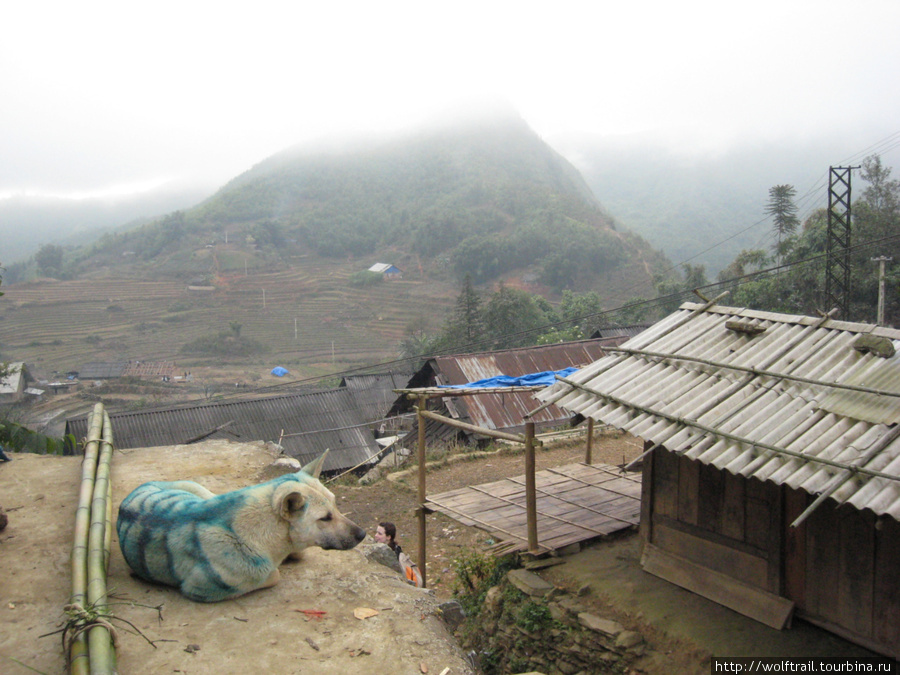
column 881, row 260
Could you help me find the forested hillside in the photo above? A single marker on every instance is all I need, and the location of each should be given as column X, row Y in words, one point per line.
column 487, row 199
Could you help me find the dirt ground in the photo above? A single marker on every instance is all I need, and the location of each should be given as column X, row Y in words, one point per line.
column 266, row 631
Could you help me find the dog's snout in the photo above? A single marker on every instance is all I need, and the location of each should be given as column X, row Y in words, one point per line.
column 359, row 534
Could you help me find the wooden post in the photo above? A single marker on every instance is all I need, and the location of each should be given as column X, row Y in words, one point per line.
column 423, row 401
column 530, row 489
column 590, row 441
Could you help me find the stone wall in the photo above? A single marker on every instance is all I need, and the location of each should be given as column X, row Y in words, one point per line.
column 528, row 625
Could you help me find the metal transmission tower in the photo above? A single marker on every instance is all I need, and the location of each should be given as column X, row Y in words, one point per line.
column 837, row 247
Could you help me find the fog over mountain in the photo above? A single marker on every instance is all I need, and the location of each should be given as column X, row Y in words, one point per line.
column 100, row 97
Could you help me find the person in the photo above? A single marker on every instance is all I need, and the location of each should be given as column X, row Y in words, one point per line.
column 386, row 533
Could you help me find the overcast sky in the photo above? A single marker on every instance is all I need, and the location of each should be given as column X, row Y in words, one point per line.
column 103, row 96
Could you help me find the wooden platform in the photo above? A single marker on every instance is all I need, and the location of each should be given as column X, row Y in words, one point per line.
column 575, row 502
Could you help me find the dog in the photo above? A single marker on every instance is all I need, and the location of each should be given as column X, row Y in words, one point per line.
column 215, row 547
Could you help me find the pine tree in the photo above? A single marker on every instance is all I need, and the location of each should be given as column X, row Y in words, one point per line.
column 784, row 212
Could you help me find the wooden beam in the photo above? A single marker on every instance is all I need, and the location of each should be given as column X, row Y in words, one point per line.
column 530, row 492
column 588, row 446
column 767, row 608
column 421, row 510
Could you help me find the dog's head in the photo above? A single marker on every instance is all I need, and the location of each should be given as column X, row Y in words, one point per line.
column 309, row 509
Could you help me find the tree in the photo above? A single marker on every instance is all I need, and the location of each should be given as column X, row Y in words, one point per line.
column 511, row 316
column 49, row 259
column 467, row 321
column 883, row 194
column 784, row 213
column 584, row 311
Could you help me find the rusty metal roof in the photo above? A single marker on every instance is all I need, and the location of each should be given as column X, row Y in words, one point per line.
column 505, row 410
column 784, row 398
column 305, row 423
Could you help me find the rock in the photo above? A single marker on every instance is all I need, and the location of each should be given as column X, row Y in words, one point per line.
column 453, row 614
column 383, row 555
column 370, row 476
column 628, row 639
column 529, row 583
column 493, row 601
column 605, row 626
column 4, row 520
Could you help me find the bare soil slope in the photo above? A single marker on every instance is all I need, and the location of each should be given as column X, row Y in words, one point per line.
column 265, row 631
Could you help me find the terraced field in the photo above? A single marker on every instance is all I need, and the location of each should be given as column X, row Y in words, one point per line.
column 309, row 317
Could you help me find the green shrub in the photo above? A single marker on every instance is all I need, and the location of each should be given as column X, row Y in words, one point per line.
column 365, row 278
column 476, row 573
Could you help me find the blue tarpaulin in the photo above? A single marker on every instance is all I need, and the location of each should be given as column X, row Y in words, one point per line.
column 278, row 371
column 545, row 378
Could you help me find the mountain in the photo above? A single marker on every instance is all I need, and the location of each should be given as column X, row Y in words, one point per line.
column 487, row 198
column 272, row 269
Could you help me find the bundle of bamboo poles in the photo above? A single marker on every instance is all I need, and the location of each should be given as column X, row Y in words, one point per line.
column 91, row 647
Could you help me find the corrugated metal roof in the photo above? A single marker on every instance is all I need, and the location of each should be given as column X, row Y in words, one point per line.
column 505, row 410
column 699, row 388
column 374, row 394
column 620, row 331
column 306, row 423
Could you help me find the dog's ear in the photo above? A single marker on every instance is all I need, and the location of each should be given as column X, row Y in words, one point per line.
column 314, row 468
column 288, row 501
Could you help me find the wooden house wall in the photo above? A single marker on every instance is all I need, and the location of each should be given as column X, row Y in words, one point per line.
column 841, row 568
column 725, row 523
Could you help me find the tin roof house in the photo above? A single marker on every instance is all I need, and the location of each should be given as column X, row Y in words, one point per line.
column 502, row 411
column 304, row 424
column 771, row 477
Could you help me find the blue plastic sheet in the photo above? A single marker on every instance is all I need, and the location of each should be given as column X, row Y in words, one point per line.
column 544, row 379
column 278, row 371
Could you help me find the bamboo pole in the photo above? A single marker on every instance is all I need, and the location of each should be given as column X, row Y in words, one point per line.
column 423, row 401
column 492, row 433
column 100, row 645
column 530, row 491
column 78, row 649
column 731, row 437
column 757, row 372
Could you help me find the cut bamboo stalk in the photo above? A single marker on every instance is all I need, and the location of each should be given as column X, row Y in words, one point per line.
column 100, row 645
column 78, row 649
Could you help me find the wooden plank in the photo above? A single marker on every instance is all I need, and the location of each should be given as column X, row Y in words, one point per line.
column 886, row 610
column 688, row 490
column 711, row 490
column 733, row 507
column 795, row 503
column 749, row 569
column 822, row 563
column 665, row 483
column 767, row 608
column 569, row 511
column 648, row 494
column 760, row 499
column 857, row 569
